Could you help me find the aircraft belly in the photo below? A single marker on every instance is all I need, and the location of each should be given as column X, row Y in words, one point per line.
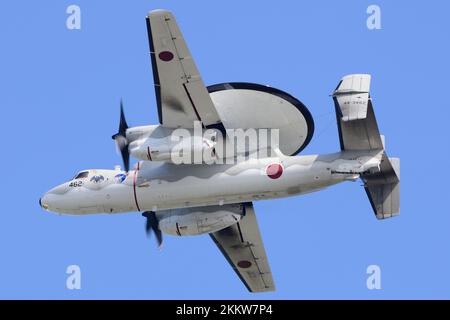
column 193, row 191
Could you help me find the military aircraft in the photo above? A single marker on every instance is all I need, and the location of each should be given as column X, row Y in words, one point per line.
column 215, row 197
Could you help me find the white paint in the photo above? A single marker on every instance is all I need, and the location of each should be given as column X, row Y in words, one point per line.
column 373, row 22
column 73, row 281
column 73, row 21
column 374, row 280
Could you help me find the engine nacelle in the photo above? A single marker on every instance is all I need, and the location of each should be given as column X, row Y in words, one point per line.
column 167, row 149
column 195, row 221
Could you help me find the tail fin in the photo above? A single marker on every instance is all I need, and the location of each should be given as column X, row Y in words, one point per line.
column 358, row 130
column 383, row 188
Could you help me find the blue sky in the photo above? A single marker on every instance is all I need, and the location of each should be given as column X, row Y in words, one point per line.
column 60, row 97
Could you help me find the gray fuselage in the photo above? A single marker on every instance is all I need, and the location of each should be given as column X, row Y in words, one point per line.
column 162, row 185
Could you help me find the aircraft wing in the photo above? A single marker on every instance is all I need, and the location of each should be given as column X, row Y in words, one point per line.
column 242, row 246
column 181, row 96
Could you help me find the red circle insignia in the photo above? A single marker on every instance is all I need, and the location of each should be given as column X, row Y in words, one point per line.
column 274, row 170
column 244, row 264
column 165, row 55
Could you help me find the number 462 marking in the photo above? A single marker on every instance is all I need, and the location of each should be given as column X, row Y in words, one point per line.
column 75, row 184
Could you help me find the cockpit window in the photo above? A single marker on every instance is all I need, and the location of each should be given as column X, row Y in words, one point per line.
column 81, row 175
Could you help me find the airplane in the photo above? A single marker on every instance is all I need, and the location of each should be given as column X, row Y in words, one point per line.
column 187, row 198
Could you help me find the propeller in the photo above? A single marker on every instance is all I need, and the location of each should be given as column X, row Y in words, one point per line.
column 152, row 224
column 121, row 139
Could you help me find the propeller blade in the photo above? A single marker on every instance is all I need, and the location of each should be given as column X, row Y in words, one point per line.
column 125, row 158
column 121, row 142
column 123, row 126
column 121, row 139
column 152, row 224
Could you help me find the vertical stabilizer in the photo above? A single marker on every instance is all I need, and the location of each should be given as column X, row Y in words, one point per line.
column 358, row 131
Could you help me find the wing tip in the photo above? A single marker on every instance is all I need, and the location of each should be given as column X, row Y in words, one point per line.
column 159, row 12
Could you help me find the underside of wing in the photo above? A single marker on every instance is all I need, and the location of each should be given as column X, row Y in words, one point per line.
column 180, row 93
column 242, row 246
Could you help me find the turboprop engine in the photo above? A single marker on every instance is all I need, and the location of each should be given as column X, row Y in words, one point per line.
column 158, row 143
column 194, row 221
